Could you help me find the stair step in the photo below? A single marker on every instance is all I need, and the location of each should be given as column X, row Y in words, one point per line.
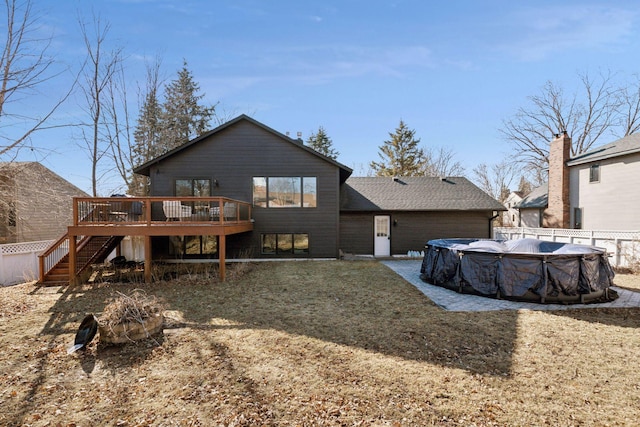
column 54, row 283
column 57, row 278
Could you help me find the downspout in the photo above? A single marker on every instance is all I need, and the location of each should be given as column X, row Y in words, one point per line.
column 490, row 221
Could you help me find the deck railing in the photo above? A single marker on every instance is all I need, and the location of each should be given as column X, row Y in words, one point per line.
column 150, row 210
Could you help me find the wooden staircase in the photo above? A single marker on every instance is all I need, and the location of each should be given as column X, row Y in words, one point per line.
column 90, row 250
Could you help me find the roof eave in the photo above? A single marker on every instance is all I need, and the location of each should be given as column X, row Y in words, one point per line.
column 145, row 168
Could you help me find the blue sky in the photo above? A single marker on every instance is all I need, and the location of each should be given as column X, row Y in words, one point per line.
column 452, row 70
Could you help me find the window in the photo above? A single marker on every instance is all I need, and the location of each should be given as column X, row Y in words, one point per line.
column 193, row 187
column 594, row 173
column 193, row 245
column 577, row 217
column 285, row 192
column 11, row 216
column 285, row 244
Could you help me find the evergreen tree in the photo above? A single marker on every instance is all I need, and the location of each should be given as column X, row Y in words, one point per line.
column 401, row 155
column 147, row 141
column 148, row 131
column 322, row 144
column 183, row 117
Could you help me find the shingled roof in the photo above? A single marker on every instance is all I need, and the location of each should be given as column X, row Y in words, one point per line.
column 621, row 147
column 537, row 199
column 415, row 194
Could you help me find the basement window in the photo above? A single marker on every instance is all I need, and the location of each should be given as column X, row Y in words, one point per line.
column 285, row 244
column 594, row 173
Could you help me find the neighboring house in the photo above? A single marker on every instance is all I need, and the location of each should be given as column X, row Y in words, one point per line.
column 35, row 203
column 596, row 190
column 532, row 207
column 304, row 203
column 511, row 218
column 604, row 191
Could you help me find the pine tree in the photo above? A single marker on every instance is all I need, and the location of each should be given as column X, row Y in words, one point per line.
column 401, row 155
column 322, row 144
column 183, row 117
column 148, row 131
column 147, row 140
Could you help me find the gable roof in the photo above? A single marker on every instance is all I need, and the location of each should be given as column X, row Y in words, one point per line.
column 537, row 199
column 621, row 147
column 144, row 169
column 415, row 194
column 36, row 171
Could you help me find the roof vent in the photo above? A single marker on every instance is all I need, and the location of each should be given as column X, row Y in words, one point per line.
column 395, row 179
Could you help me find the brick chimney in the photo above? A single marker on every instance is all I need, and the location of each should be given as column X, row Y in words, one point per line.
column 557, row 213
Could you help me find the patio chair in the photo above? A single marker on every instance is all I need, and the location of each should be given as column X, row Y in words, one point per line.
column 174, row 210
column 229, row 211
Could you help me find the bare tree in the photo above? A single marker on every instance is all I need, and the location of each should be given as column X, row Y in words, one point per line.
column 585, row 116
column 118, row 125
column 629, row 108
column 24, row 67
column 98, row 75
column 497, row 179
column 441, row 162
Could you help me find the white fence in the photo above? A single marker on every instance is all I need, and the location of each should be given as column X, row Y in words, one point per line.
column 19, row 261
column 623, row 247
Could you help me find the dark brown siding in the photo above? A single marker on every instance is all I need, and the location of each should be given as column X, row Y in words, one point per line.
column 410, row 230
column 356, row 233
column 242, row 151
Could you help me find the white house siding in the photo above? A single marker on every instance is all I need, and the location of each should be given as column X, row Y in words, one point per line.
column 530, row 218
column 613, row 203
column 511, row 218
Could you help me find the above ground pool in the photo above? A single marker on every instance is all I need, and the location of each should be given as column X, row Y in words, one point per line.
column 525, row 270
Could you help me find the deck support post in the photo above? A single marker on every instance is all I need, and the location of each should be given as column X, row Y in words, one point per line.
column 222, row 250
column 73, row 247
column 147, row 259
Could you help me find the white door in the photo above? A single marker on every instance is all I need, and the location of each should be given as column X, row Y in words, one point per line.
column 382, row 236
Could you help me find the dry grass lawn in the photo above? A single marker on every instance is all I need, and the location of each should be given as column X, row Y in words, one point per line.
column 335, row 343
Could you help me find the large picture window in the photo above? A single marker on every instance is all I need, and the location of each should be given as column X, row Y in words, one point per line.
column 285, row 244
column 285, row 192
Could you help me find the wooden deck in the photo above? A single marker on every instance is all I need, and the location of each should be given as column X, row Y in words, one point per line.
column 150, row 216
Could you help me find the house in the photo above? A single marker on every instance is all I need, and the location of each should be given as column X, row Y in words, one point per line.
column 511, row 218
column 532, row 207
column 594, row 190
column 306, row 204
column 603, row 190
column 384, row 216
column 35, row 202
column 244, row 190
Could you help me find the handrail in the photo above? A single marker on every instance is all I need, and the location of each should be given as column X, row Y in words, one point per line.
column 45, row 264
column 101, row 211
column 148, row 210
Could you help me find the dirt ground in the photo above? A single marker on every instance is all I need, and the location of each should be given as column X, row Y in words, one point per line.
column 336, row 343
